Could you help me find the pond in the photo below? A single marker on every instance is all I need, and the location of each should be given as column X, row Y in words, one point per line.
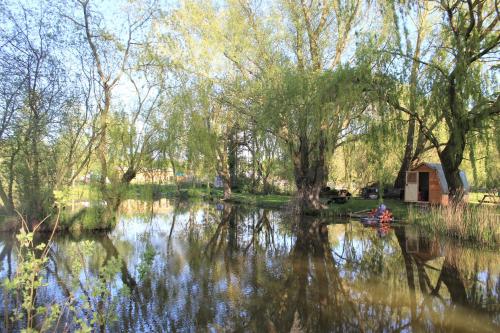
column 175, row 266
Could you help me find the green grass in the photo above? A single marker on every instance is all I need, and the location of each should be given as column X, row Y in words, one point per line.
column 77, row 193
column 261, row 200
column 476, row 197
column 398, row 208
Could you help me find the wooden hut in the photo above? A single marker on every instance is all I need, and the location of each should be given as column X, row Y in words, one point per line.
column 427, row 183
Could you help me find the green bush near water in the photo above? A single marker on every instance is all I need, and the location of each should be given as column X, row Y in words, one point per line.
column 95, row 217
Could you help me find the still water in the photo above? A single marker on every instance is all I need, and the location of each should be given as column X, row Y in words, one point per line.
column 171, row 266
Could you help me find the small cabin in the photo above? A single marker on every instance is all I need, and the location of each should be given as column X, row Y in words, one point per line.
column 426, row 183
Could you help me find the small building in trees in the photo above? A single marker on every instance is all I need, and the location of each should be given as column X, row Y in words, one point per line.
column 427, row 183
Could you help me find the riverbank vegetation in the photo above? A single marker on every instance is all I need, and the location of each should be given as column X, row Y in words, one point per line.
column 245, row 101
column 480, row 224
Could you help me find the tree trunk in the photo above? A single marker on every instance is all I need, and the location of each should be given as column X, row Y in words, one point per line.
column 255, row 163
column 233, row 161
column 451, row 157
column 8, row 205
column 10, row 186
column 266, row 185
column 102, row 147
column 128, row 176
column 309, row 172
column 226, row 182
column 254, row 173
column 174, row 171
column 407, row 157
column 308, row 196
column 35, row 209
column 7, row 196
column 223, row 170
column 472, row 158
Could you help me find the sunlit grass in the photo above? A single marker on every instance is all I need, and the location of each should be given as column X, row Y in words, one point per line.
column 354, row 205
column 266, row 200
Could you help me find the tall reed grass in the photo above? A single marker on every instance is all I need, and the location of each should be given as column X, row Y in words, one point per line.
column 463, row 221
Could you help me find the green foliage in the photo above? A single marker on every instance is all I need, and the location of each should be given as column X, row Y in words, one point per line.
column 90, row 304
column 28, row 279
column 98, row 297
column 306, row 103
column 94, row 218
column 398, row 208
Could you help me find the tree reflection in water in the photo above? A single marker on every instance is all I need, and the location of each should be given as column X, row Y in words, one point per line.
column 243, row 269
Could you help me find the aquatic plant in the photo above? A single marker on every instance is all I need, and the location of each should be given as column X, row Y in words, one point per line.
column 462, row 221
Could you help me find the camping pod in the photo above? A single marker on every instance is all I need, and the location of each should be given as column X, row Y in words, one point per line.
column 426, row 183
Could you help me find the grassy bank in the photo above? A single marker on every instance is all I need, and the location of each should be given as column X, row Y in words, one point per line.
column 261, row 200
column 135, row 191
column 477, row 223
column 343, row 210
column 273, row 201
column 398, row 208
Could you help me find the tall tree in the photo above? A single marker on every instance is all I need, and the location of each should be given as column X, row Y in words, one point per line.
column 313, row 114
column 36, row 107
column 461, row 63
column 110, row 52
column 415, row 140
column 319, row 35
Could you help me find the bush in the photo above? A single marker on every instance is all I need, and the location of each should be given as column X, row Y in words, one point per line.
column 93, row 218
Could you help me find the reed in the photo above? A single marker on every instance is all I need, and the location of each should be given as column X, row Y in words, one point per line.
column 463, row 221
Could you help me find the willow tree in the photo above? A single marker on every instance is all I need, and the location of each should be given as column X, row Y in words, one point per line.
column 170, row 137
column 314, row 113
column 301, row 102
column 221, row 126
column 461, row 89
column 213, row 52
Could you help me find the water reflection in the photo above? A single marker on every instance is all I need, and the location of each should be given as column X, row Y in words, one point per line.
column 182, row 267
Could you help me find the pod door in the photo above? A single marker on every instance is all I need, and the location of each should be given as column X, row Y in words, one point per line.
column 411, row 188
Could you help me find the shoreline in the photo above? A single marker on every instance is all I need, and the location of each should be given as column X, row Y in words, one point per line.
column 403, row 212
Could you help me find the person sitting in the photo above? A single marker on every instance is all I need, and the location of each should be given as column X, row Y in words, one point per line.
column 380, row 210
